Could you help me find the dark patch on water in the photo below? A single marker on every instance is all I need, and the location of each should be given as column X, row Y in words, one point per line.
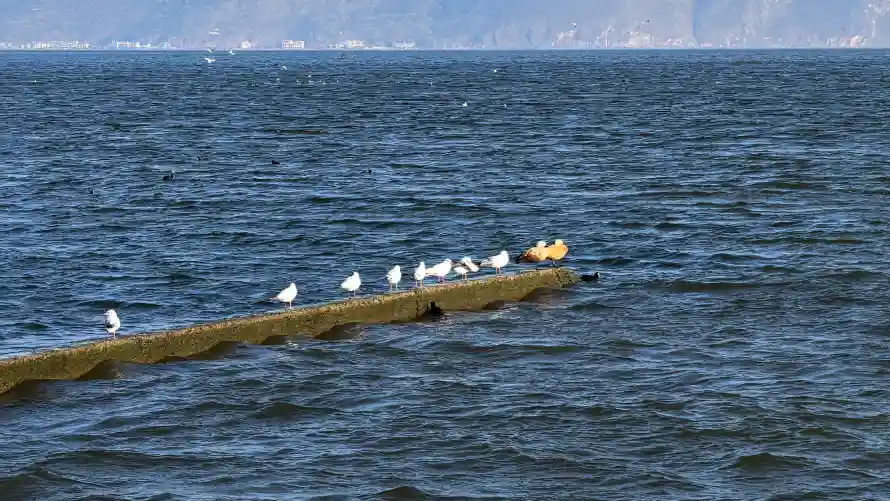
column 344, row 332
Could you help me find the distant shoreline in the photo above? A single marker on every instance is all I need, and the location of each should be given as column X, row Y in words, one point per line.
column 548, row 49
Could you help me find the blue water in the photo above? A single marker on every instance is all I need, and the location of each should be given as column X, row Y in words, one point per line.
column 735, row 204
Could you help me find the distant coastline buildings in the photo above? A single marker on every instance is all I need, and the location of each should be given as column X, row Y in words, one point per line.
column 51, row 45
column 609, row 38
column 293, row 44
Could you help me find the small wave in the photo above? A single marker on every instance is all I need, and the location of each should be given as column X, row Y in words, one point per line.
column 593, row 306
column 627, row 344
column 663, row 406
column 808, row 241
column 403, row 492
column 784, row 224
column 786, row 185
column 722, row 205
column 321, row 199
column 123, row 459
column 180, row 277
column 102, row 304
column 692, row 433
column 730, row 257
column 778, row 269
column 142, row 306
column 730, row 343
column 628, row 224
column 855, row 276
column 465, row 347
column 670, row 226
column 33, row 326
column 406, row 165
column 669, row 265
column 676, row 194
column 770, row 462
column 108, row 210
column 26, row 482
column 614, row 261
column 289, row 411
column 684, row 286
column 296, row 131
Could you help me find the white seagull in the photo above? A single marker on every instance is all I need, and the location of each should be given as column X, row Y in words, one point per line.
column 468, row 262
column 394, row 276
column 287, row 295
column 231, row 53
column 461, row 270
column 465, row 266
column 497, row 262
column 112, row 323
column 352, row 283
column 419, row 274
column 440, row 270
column 209, row 60
column 209, row 50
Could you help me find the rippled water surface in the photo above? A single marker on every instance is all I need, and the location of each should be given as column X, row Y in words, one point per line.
column 735, row 203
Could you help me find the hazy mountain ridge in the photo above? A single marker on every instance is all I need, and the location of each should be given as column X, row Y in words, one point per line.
column 454, row 23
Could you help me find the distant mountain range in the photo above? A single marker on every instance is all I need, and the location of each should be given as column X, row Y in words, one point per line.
column 501, row 24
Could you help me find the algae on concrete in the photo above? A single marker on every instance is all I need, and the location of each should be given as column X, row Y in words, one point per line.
column 74, row 362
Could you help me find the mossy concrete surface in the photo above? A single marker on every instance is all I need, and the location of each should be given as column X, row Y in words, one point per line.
column 74, row 362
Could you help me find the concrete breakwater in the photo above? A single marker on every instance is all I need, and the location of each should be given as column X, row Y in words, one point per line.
column 74, row 362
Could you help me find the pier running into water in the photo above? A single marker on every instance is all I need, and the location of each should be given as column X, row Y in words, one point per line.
column 75, row 362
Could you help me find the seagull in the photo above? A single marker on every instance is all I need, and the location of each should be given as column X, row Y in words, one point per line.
column 497, row 262
column 283, row 67
column 352, row 283
column 209, row 50
column 231, row 53
column 112, row 323
column 464, row 105
column 461, row 270
column 419, row 275
column 468, row 262
column 465, row 266
column 557, row 251
column 170, row 176
column 394, row 277
column 534, row 254
column 209, row 60
column 287, row 295
column 440, row 270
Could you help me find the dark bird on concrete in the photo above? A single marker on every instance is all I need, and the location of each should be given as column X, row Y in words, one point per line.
column 433, row 310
